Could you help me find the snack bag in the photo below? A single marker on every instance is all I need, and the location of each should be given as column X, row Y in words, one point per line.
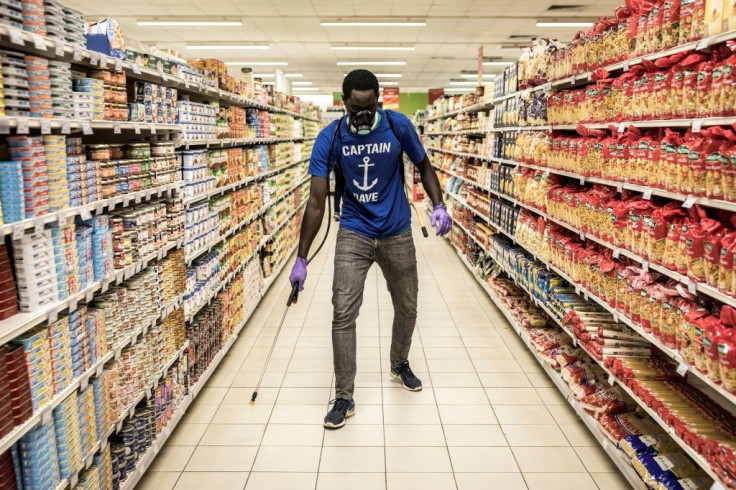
column 727, row 349
column 689, row 340
column 711, row 337
column 712, row 255
column 670, row 23
column 725, row 265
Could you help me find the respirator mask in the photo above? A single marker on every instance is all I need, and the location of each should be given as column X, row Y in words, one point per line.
column 362, row 121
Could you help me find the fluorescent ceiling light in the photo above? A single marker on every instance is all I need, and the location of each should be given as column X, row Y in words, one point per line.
column 189, row 22
column 465, row 83
column 264, row 75
column 372, row 48
column 268, row 83
column 372, row 24
column 459, row 89
column 228, row 46
column 564, row 24
column 474, row 75
column 301, row 83
column 256, row 63
column 371, row 63
column 388, row 75
column 389, row 84
column 306, row 89
column 294, row 75
column 497, row 63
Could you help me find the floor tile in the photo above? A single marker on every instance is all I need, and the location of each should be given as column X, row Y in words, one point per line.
column 578, row 434
column 354, row 435
column 486, row 481
column 410, row 414
column 400, row 396
column 186, row 434
column 418, row 460
column 467, row 414
column 222, row 458
column 595, row 459
column 559, row 481
column 513, row 396
column 298, row 414
column 497, row 366
column 534, row 435
column 158, row 480
column 474, row 435
column 523, row 414
column 551, row 396
column 414, row 435
column 242, row 414
column 548, row 460
column 450, row 366
column 455, row 380
column 367, row 414
column 352, row 460
column 172, row 458
column 504, row 380
column 199, row 414
column 196, row 480
column 563, row 414
column 610, row 481
column 292, row 459
column 420, row 481
column 351, row 481
column 211, row 395
column 460, row 396
column 293, row 435
column 233, row 435
column 275, row 481
column 482, row 460
column 242, row 396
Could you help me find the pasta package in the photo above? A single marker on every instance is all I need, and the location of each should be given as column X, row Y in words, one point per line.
column 668, row 470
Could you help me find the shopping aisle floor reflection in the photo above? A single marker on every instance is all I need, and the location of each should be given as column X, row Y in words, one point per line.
column 488, row 416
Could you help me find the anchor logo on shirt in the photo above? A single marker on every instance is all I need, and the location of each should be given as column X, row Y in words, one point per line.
column 365, row 165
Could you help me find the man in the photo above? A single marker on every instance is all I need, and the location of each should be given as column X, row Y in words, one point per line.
column 366, row 145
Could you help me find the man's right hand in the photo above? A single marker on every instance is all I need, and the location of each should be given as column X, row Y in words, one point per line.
column 299, row 273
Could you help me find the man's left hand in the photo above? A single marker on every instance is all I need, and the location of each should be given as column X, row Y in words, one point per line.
column 441, row 219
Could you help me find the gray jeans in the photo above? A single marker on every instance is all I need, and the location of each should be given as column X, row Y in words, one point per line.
column 354, row 255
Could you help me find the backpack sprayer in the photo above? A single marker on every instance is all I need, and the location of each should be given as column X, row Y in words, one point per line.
column 294, row 295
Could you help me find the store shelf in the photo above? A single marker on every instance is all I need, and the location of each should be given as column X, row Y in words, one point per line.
column 22, row 322
column 480, row 107
column 616, row 456
column 237, row 185
column 466, row 180
column 620, row 126
column 23, row 125
column 87, row 210
column 18, row 40
column 145, row 461
column 206, row 248
column 466, row 132
column 235, row 142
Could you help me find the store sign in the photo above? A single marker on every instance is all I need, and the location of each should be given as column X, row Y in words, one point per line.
column 435, row 93
column 391, row 98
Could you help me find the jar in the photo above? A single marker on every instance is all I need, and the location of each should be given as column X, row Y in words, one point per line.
column 119, row 78
column 109, row 112
column 104, row 75
column 138, row 150
column 99, row 153
column 162, row 148
column 107, row 170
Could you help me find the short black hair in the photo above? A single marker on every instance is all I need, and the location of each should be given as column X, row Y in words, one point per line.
column 359, row 80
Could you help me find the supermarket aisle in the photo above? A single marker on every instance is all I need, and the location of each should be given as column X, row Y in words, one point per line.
column 488, row 416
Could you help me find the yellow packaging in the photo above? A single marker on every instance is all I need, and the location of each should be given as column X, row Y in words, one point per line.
column 730, row 14
column 714, row 15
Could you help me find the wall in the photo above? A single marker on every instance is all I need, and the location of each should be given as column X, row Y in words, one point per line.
column 409, row 102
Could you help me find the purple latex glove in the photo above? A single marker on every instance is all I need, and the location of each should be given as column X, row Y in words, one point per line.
column 299, row 273
column 441, row 219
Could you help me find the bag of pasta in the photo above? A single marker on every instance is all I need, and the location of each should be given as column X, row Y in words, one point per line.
column 727, row 349
column 725, row 265
column 671, row 24
column 695, row 240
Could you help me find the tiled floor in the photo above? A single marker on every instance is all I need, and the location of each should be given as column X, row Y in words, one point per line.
column 488, row 416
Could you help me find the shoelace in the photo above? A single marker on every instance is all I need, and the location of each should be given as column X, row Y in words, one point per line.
column 404, row 369
column 341, row 405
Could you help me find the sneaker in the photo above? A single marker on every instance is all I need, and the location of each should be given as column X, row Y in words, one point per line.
column 336, row 216
column 403, row 372
column 341, row 410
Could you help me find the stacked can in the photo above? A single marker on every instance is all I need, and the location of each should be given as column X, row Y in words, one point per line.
column 68, row 436
column 83, row 239
column 133, row 441
column 95, row 322
column 66, row 259
column 102, row 404
column 12, row 13
column 89, row 98
column 33, row 256
column 55, row 150
column 175, row 215
column 36, row 457
column 205, row 339
column 198, row 121
column 115, row 94
column 34, row 19
column 39, row 86
column 80, row 342
column 232, row 300
column 89, row 479
column 18, row 388
column 61, row 354
column 29, row 150
column 54, row 20
column 103, row 461
column 62, row 95
column 8, row 298
column 16, row 97
column 172, row 272
column 83, row 176
column 74, row 27
column 173, row 333
column 11, row 191
column 101, row 246
column 38, row 359
column 2, row 93
column 87, row 422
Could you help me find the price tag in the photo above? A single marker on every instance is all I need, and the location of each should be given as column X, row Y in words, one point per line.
column 100, row 207
column 622, row 127
column 647, row 194
column 585, row 295
column 38, row 227
column 66, row 126
column 85, row 214
column 627, row 65
column 100, row 369
column 47, row 417
column 582, row 236
column 38, row 42
column 186, row 83
column 152, row 127
column 577, row 290
column 612, row 380
column 148, row 393
column 45, row 126
column 59, row 49
column 78, row 53
column 689, row 202
column 697, row 125
column 160, row 191
column 87, row 128
column 116, row 128
column 616, row 253
column 53, row 315
column 575, row 341
column 692, row 287
column 118, row 353
column 84, row 383
column 137, row 127
column 619, row 187
column 645, row 266
column 112, row 205
column 682, row 369
column 162, row 74
column 4, row 125
column 119, row 279
column 717, row 486
column 94, row 58
column 136, row 69
column 138, row 199
column 74, row 479
column 73, row 305
column 21, row 125
column 105, row 286
column 582, row 180
column 616, row 317
column 16, row 36
column 88, row 297
column 702, row 44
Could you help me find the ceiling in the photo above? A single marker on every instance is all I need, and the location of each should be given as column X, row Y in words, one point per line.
column 445, row 47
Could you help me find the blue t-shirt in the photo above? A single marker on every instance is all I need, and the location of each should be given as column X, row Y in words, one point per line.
column 374, row 203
